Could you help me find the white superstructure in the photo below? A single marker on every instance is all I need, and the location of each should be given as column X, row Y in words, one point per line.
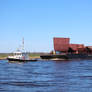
column 19, row 55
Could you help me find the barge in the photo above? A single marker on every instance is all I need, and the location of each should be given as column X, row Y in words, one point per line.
column 66, row 56
column 64, row 50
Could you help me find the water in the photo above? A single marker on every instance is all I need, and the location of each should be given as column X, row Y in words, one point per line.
column 46, row 76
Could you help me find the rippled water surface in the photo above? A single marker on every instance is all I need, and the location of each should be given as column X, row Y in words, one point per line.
column 46, row 76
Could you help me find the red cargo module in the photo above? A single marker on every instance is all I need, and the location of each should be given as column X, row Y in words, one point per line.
column 61, row 44
column 90, row 47
column 76, row 46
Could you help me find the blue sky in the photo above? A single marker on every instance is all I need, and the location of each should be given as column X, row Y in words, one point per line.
column 38, row 21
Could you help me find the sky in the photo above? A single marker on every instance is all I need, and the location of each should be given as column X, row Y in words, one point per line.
column 38, row 21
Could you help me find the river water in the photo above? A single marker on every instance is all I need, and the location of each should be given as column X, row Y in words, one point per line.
column 46, row 76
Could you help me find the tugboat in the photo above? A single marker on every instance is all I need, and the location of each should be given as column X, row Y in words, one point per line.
column 20, row 55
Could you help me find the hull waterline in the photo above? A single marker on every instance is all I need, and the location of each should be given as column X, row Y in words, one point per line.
column 20, row 60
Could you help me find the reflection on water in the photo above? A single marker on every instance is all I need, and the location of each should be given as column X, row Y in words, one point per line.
column 46, row 76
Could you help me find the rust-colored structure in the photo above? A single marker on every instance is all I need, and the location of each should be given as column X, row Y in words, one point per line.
column 61, row 44
column 90, row 47
column 76, row 46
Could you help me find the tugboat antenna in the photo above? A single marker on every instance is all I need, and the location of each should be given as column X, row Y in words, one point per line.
column 23, row 44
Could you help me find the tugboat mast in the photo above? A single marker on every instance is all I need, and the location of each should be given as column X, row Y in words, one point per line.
column 23, row 44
